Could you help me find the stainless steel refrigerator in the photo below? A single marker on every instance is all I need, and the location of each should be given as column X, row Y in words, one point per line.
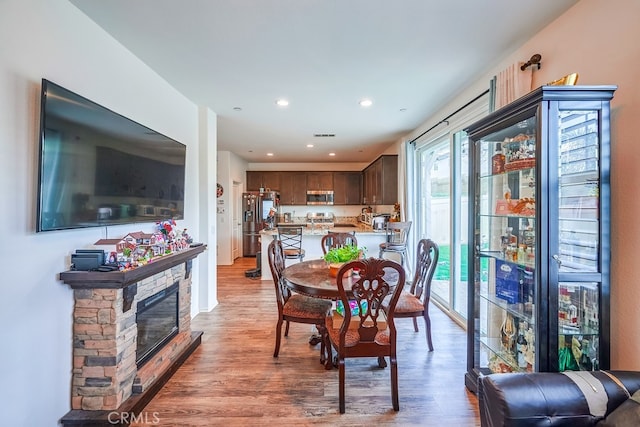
column 256, row 207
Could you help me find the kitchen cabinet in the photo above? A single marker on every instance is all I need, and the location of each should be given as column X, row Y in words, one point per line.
column 263, row 179
column 319, row 180
column 368, row 184
column 381, row 181
column 347, row 188
column 293, row 188
column 539, row 249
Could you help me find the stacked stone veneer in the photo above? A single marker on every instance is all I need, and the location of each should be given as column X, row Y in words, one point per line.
column 105, row 373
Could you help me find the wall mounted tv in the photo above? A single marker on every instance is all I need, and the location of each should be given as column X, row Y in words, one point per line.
column 98, row 168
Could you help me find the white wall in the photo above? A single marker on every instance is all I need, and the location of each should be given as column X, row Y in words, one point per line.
column 231, row 170
column 598, row 40
column 206, row 293
column 52, row 39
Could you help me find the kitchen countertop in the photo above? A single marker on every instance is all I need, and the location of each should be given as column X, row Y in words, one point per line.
column 367, row 238
column 359, row 228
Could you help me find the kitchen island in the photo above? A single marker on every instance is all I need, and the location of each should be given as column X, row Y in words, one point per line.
column 367, row 238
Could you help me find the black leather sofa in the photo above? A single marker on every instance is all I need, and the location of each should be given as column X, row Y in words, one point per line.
column 554, row 399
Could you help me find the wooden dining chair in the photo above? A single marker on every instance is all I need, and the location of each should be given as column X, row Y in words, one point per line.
column 415, row 301
column 373, row 333
column 336, row 240
column 294, row 307
column 291, row 238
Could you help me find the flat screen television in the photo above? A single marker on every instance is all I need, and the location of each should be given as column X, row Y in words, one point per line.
column 98, row 168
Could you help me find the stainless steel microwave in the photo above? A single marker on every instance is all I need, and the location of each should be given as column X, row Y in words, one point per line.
column 319, row 197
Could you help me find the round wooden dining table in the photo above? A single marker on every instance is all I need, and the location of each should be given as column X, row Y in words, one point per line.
column 312, row 278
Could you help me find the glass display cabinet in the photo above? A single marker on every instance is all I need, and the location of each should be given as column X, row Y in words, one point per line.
column 539, row 229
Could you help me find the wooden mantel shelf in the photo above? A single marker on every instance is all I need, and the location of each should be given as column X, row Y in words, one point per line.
column 122, row 279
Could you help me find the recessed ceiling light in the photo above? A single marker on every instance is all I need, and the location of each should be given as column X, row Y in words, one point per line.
column 282, row 102
column 309, row 145
column 402, row 110
column 237, row 108
column 270, row 154
column 366, row 102
column 332, row 154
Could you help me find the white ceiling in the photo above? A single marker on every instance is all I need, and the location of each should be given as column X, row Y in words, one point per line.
column 408, row 56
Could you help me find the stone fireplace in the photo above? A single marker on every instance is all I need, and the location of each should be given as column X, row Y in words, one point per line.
column 115, row 368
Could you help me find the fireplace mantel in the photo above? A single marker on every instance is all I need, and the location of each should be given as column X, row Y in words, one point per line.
column 121, row 279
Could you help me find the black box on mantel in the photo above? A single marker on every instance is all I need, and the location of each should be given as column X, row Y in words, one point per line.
column 87, row 259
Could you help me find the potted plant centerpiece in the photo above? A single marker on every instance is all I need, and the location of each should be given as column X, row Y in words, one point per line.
column 337, row 257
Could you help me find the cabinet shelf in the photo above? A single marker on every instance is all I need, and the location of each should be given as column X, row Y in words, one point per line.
column 518, row 310
column 499, row 256
column 588, row 220
column 531, row 217
column 499, row 360
column 568, row 330
column 523, row 171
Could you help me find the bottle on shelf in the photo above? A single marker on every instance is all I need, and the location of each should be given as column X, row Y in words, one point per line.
column 497, row 161
column 522, row 253
column 505, row 240
column 521, row 343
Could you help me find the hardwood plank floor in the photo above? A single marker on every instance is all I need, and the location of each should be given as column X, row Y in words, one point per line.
column 232, row 379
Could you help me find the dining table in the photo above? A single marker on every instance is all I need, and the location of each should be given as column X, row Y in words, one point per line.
column 312, row 278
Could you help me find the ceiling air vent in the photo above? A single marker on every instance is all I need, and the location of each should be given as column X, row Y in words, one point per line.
column 324, row 135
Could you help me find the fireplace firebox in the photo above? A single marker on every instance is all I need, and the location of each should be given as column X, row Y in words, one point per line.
column 157, row 319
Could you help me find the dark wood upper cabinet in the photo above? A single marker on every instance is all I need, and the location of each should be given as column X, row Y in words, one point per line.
column 319, row 180
column 263, row 179
column 381, row 181
column 347, row 188
column 376, row 185
column 293, row 188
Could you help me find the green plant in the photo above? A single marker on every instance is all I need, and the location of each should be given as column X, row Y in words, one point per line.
column 343, row 254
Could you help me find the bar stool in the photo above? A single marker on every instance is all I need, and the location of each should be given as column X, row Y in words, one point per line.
column 291, row 238
column 397, row 234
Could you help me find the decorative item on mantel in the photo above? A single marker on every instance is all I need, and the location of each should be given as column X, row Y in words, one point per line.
column 139, row 248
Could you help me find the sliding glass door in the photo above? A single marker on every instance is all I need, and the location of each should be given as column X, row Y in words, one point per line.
column 442, row 216
column 460, row 232
column 434, row 206
column 441, row 170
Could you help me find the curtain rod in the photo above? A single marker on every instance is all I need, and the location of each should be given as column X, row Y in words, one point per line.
column 449, row 116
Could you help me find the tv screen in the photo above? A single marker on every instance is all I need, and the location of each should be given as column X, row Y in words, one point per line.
column 99, row 168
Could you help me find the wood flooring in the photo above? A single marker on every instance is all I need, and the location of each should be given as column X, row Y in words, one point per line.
column 232, row 379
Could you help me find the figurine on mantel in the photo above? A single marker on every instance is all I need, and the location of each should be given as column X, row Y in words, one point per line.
column 139, row 248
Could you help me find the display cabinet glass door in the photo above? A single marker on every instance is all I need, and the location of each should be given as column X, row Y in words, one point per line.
column 505, row 248
column 578, row 242
column 539, row 253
